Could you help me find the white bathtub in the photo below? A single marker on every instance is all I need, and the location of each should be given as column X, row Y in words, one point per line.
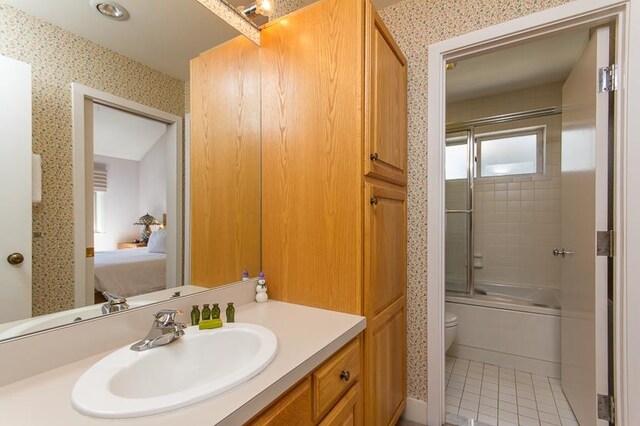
column 510, row 326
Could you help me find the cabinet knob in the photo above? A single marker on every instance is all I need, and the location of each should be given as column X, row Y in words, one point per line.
column 374, row 156
column 15, row 258
column 373, row 201
column 345, row 375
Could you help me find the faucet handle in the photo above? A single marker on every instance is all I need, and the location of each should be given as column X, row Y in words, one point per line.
column 166, row 316
column 113, row 298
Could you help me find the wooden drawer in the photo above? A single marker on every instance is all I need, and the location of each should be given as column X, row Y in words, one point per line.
column 347, row 412
column 292, row 409
column 334, row 378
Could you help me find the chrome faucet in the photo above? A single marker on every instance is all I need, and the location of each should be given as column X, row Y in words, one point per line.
column 164, row 330
column 114, row 303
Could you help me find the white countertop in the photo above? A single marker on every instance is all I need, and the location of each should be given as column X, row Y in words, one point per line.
column 306, row 337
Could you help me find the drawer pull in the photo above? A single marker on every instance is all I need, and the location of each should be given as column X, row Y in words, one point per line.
column 345, row 375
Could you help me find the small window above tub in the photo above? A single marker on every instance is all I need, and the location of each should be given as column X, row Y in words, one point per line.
column 512, row 152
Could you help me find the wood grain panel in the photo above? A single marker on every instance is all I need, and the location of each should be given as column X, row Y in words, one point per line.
column 385, row 245
column 292, row 409
column 348, row 411
column 386, row 100
column 225, row 163
column 312, row 65
column 385, row 390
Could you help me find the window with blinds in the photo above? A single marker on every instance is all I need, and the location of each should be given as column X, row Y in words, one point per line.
column 99, row 177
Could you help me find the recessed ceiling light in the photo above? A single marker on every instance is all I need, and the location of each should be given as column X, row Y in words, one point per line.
column 110, row 9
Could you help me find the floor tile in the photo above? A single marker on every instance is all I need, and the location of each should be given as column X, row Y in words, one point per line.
column 528, row 412
column 496, row 396
column 526, row 421
column 468, row 413
column 507, row 406
column 508, row 416
column 491, row 402
column 488, row 410
column 568, row 422
column 488, row 420
column 549, row 418
column 566, row 413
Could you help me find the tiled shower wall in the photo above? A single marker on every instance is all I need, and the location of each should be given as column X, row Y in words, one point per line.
column 517, row 218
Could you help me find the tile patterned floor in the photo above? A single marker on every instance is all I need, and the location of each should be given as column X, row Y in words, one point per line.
column 504, row 396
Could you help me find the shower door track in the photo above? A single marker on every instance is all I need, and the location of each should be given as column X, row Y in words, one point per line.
column 503, row 118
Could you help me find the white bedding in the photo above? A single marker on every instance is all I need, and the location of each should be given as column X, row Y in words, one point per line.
column 129, row 272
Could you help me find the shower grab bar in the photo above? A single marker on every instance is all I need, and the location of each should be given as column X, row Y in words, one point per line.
column 458, row 211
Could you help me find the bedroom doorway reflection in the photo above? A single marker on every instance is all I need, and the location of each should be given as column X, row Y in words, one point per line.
column 128, row 198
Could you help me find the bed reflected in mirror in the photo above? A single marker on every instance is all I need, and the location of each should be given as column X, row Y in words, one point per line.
column 96, row 213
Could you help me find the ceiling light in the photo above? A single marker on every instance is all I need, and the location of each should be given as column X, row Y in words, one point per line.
column 261, row 7
column 110, row 9
column 265, row 7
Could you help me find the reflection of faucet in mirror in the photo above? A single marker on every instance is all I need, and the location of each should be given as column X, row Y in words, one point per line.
column 114, row 303
column 164, row 330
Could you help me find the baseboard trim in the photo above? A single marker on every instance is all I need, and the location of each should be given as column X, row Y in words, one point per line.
column 530, row 365
column 415, row 411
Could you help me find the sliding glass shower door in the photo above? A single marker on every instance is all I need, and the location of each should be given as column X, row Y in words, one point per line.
column 459, row 161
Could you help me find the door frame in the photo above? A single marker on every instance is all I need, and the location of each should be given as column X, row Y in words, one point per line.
column 627, row 197
column 84, row 294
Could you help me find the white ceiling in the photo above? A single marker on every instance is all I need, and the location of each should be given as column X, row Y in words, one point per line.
column 163, row 34
column 123, row 135
column 544, row 61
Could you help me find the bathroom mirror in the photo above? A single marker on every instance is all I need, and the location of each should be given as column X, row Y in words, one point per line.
column 95, row 157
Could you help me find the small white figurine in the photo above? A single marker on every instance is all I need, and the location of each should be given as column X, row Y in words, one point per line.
column 261, row 289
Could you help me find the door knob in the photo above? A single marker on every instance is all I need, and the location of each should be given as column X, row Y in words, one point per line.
column 561, row 252
column 15, row 258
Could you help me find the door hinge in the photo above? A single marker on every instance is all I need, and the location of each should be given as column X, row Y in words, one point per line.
column 606, row 408
column 605, row 243
column 608, row 79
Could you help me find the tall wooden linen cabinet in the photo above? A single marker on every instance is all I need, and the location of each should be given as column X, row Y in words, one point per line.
column 334, row 157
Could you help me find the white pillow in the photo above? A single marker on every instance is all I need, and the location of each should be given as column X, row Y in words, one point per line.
column 158, row 241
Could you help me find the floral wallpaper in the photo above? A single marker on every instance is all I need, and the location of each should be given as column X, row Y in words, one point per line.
column 415, row 24
column 58, row 58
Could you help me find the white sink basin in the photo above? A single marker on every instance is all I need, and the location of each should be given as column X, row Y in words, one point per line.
column 197, row 366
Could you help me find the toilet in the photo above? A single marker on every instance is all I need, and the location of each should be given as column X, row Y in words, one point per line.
column 450, row 329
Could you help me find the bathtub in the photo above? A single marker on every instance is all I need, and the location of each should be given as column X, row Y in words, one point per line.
column 509, row 326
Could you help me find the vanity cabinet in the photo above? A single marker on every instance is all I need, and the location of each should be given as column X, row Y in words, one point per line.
column 330, row 395
column 334, row 155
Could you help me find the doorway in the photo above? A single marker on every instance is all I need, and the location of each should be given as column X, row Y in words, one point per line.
column 468, row 266
column 86, row 102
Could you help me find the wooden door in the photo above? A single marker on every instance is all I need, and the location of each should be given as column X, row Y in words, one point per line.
column 15, row 189
column 385, row 104
column 385, row 246
column 385, row 280
column 385, row 366
column 584, row 210
column 347, row 411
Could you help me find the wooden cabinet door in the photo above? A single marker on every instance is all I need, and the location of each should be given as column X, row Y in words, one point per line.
column 385, row 246
column 347, row 412
column 292, row 409
column 385, row 104
column 385, row 280
column 385, row 366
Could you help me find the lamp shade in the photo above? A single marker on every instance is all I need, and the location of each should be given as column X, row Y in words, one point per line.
column 147, row 219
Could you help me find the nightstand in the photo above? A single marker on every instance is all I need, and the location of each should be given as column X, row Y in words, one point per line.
column 130, row 245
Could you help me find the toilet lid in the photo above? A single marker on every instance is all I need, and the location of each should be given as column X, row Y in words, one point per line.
column 450, row 319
